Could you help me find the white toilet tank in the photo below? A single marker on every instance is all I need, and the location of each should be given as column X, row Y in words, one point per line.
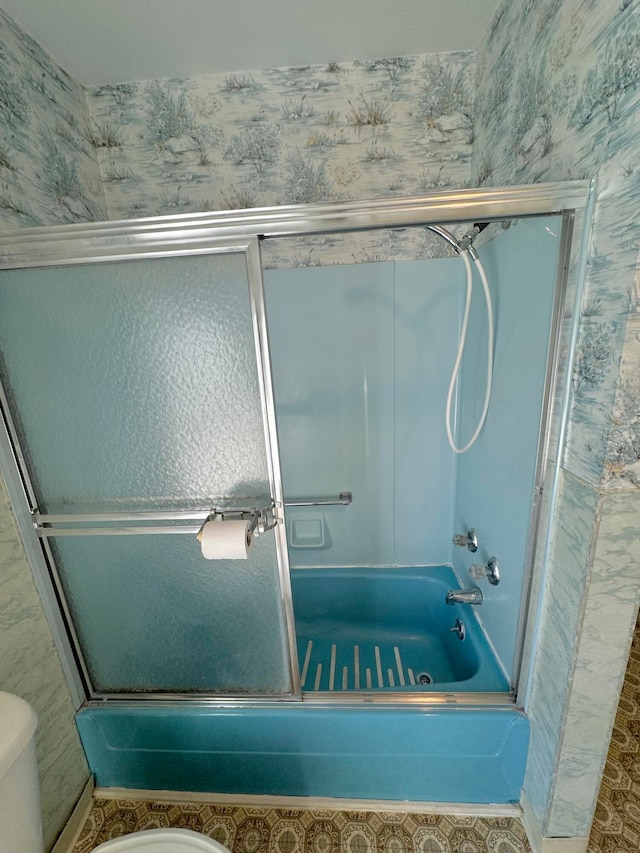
column 20, row 821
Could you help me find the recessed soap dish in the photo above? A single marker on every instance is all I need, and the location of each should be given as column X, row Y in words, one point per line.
column 306, row 533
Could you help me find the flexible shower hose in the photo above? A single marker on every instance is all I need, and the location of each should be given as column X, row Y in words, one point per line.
column 461, row 346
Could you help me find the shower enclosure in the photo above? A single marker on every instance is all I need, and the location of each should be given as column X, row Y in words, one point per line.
column 142, row 391
column 159, row 371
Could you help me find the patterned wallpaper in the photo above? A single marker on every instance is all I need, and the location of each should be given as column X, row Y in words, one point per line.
column 287, row 135
column 49, row 172
column 558, row 97
column 397, row 126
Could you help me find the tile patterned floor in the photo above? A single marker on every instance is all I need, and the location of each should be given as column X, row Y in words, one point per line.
column 616, row 825
column 244, row 829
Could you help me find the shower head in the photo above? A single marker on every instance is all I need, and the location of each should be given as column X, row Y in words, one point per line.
column 448, row 236
column 465, row 242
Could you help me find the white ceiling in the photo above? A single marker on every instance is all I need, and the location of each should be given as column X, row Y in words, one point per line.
column 113, row 41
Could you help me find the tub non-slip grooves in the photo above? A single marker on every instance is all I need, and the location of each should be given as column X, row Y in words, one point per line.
column 327, row 665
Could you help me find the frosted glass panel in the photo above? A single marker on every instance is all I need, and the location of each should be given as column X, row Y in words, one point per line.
column 153, row 614
column 134, row 387
column 135, row 383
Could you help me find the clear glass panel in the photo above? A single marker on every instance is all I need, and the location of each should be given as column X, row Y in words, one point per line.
column 135, row 383
column 134, row 386
column 331, row 336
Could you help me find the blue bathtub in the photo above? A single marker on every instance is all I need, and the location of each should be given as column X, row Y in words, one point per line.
column 389, row 630
column 343, row 748
column 440, row 755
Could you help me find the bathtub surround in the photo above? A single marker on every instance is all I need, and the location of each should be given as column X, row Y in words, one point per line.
column 558, row 97
column 395, row 324
column 551, row 105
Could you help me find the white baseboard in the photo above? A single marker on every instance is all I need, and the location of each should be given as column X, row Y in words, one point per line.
column 69, row 835
column 330, row 803
column 539, row 843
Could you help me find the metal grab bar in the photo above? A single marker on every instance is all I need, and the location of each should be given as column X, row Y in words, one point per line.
column 46, row 532
column 262, row 519
column 266, row 518
column 344, row 499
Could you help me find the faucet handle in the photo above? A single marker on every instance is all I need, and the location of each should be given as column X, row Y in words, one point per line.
column 469, row 541
column 491, row 571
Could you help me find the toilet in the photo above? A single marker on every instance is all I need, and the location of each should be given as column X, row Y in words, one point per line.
column 161, row 841
column 20, row 822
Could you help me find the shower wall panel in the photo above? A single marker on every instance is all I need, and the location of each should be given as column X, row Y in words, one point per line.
column 428, row 304
column 495, row 478
column 331, row 333
column 361, row 356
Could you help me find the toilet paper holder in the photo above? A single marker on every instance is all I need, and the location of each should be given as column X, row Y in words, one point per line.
column 266, row 518
column 262, row 519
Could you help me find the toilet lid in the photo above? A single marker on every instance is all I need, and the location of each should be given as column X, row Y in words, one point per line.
column 162, row 841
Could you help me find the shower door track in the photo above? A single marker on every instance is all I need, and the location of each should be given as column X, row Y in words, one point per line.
column 338, row 699
column 190, row 233
column 194, row 234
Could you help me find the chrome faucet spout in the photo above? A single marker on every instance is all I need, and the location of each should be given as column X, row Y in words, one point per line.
column 464, row 596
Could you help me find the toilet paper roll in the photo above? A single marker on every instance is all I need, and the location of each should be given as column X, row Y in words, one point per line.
column 225, row 540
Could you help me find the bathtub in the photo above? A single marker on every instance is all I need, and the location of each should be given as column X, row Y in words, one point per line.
column 389, row 630
column 337, row 744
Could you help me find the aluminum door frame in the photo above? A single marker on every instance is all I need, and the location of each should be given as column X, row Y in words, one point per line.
column 23, row 496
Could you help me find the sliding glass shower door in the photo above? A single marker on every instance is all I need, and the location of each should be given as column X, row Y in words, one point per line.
column 138, row 401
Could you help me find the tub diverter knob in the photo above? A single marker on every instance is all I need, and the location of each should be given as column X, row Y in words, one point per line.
column 469, row 541
column 491, row 571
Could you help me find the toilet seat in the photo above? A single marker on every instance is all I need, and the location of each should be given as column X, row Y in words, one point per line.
column 162, row 841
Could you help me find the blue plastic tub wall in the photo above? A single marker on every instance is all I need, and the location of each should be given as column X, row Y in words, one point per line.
column 447, row 755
